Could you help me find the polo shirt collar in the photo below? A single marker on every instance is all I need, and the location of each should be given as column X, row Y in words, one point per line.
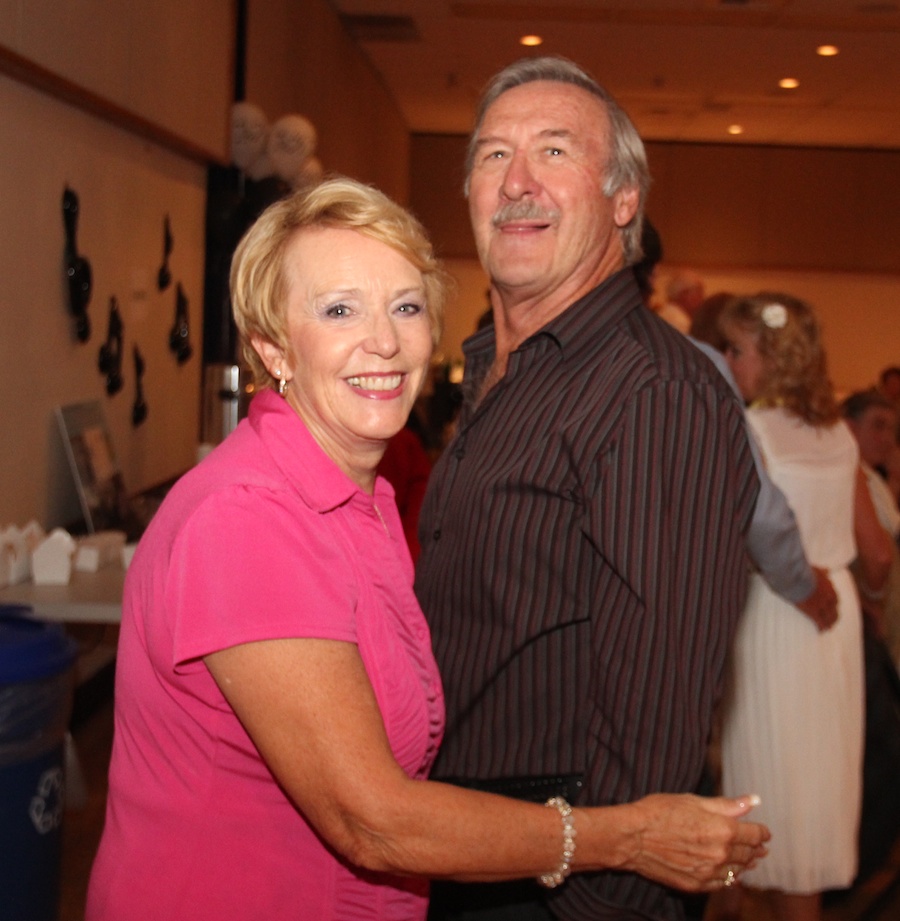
column 321, row 484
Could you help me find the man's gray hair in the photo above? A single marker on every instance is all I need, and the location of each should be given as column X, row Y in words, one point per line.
column 627, row 166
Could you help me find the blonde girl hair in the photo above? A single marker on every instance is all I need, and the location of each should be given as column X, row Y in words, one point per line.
column 789, row 340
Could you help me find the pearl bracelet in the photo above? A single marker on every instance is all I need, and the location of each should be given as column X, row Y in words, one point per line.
column 558, row 876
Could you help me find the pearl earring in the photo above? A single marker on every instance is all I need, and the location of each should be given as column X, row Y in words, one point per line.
column 282, row 383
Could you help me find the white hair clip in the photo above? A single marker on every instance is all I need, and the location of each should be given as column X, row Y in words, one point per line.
column 774, row 316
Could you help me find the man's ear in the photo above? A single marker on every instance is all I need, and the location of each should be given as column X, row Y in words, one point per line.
column 625, row 205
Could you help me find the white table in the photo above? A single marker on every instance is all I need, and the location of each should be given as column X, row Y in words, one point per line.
column 89, row 598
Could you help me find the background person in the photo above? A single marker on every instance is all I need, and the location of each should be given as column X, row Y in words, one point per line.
column 407, row 466
column 873, row 420
column 796, row 697
column 705, row 322
column 889, row 384
column 277, row 703
column 685, row 293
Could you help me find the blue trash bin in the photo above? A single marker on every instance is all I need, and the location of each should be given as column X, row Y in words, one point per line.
column 36, row 688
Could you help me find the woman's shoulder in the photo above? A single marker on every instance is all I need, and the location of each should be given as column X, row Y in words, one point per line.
column 784, row 433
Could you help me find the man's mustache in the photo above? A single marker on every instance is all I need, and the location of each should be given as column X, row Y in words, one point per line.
column 523, row 211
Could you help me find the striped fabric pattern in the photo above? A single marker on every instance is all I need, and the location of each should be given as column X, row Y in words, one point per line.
column 583, row 564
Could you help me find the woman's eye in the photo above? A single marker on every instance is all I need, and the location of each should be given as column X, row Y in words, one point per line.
column 410, row 308
column 338, row 310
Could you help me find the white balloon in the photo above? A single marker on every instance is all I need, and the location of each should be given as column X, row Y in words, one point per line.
column 249, row 134
column 291, row 140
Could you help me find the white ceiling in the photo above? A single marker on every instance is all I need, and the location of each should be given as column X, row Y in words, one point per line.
column 683, row 69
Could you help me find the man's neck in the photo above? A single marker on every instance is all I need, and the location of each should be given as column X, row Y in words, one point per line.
column 518, row 317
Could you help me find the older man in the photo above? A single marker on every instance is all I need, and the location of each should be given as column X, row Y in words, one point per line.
column 583, row 562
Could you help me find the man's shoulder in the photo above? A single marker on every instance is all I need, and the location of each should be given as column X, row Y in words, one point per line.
column 665, row 355
column 635, row 363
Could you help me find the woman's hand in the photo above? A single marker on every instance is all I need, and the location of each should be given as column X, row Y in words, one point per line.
column 311, row 711
column 692, row 842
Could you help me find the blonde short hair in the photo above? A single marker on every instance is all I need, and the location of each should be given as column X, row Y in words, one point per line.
column 258, row 277
column 789, row 340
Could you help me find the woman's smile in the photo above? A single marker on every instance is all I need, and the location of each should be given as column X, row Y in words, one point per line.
column 359, row 341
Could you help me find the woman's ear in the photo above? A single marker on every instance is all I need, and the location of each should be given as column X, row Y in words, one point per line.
column 271, row 355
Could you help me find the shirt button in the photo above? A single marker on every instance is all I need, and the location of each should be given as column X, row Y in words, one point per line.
column 459, row 453
column 437, row 534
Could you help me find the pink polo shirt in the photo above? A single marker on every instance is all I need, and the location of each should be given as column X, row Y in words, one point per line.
column 265, row 539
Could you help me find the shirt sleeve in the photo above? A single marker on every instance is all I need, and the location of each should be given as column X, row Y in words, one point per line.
column 250, row 565
column 674, row 498
column 773, row 539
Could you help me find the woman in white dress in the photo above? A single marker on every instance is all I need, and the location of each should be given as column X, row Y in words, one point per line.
column 793, row 722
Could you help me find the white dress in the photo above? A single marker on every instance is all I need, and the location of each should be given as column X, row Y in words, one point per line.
column 793, row 719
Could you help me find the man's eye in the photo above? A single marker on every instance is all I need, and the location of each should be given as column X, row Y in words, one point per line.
column 555, row 151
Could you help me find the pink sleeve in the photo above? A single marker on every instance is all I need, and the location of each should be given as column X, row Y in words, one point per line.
column 247, row 566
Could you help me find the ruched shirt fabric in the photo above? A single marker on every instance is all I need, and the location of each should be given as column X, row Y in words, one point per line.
column 265, row 539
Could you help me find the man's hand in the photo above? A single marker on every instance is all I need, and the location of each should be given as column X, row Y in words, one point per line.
column 821, row 606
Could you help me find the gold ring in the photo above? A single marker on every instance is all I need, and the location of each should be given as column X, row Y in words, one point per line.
column 730, row 878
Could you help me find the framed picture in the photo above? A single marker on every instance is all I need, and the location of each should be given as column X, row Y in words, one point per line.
column 92, row 460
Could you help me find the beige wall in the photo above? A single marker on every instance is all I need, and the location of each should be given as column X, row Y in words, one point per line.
column 125, row 187
column 826, row 210
column 164, row 61
column 299, row 59
column 121, row 102
column 127, row 102
column 820, row 224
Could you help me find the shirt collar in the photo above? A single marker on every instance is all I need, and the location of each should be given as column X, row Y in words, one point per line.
column 583, row 321
column 595, row 312
column 319, row 481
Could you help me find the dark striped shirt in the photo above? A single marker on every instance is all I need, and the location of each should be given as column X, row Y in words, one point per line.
column 583, row 564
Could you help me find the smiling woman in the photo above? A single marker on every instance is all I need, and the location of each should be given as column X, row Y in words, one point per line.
column 359, row 340
column 278, row 706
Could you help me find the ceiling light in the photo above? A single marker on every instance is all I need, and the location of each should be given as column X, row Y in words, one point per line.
column 530, row 40
column 827, row 51
column 735, row 129
column 789, row 83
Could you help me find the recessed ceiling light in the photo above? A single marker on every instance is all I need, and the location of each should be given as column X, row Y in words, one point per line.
column 789, row 83
column 530, row 40
column 827, row 51
column 735, row 129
